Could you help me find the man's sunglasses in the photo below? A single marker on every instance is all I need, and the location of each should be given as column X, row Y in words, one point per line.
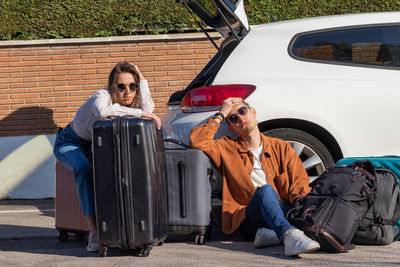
column 234, row 117
column 132, row 87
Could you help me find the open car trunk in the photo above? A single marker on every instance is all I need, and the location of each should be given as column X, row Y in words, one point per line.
column 228, row 17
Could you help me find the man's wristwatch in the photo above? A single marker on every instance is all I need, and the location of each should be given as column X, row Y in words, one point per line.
column 220, row 115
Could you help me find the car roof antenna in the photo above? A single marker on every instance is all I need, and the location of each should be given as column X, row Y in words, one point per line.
column 199, row 24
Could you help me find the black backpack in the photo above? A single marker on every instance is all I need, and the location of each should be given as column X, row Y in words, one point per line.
column 377, row 226
column 339, row 199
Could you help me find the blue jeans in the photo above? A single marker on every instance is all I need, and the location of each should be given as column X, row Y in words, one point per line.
column 72, row 152
column 264, row 210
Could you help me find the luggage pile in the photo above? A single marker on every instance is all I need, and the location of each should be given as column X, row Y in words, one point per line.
column 331, row 212
column 146, row 189
column 355, row 202
column 381, row 224
column 142, row 190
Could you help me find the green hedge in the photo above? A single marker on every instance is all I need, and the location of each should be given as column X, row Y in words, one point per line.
column 258, row 11
column 43, row 19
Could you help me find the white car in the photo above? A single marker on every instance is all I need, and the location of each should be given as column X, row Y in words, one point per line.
column 328, row 85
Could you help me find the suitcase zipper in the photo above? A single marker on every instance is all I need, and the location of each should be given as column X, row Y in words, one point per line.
column 121, row 182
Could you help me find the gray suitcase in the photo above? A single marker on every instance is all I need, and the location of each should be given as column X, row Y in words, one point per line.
column 189, row 191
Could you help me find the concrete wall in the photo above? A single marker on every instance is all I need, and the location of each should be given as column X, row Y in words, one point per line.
column 27, row 167
column 43, row 83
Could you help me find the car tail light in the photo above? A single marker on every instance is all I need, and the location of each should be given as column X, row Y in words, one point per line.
column 210, row 98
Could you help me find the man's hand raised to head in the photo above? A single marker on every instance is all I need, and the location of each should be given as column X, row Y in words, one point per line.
column 230, row 103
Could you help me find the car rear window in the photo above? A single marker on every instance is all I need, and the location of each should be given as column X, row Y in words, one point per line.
column 378, row 45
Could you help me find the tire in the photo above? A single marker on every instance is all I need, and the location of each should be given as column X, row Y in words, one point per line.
column 312, row 152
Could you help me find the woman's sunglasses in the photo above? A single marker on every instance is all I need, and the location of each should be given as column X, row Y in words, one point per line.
column 132, row 87
column 234, row 117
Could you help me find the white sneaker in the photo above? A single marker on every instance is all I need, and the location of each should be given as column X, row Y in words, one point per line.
column 265, row 238
column 296, row 242
column 93, row 242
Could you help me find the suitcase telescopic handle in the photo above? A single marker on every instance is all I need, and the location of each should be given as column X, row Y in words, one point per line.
column 177, row 142
column 182, row 188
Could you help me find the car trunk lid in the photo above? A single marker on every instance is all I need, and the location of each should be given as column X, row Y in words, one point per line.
column 228, row 17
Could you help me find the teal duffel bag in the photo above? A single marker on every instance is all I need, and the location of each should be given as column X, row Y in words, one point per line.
column 387, row 162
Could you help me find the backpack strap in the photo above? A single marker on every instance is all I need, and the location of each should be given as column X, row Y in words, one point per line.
column 367, row 166
column 367, row 173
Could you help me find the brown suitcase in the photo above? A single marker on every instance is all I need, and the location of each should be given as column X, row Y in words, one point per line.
column 69, row 215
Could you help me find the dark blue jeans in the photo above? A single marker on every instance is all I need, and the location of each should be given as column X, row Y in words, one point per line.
column 264, row 210
column 71, row 151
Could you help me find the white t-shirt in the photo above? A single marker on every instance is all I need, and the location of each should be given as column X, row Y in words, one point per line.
column 100, row 106
column 258, row 176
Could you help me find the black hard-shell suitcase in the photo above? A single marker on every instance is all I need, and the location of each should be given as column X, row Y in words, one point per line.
column 130, row 184
column 189, row 191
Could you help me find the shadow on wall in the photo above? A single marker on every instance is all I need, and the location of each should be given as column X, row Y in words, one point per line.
column 27, row 162
column 28, row 121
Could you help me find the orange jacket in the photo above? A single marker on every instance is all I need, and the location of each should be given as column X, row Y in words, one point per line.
column 234, row 161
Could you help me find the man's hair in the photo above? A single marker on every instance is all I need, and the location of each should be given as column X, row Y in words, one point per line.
column 245, row 103
column 123, row 67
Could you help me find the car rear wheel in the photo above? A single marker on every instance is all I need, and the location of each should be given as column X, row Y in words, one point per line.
column 312, row 152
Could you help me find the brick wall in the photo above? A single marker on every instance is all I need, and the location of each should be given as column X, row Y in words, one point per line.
column 367, row 53
column 364, row 53
column 315, row 52
column 43, row 83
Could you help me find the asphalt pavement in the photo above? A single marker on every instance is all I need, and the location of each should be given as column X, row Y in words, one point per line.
column 28, row 238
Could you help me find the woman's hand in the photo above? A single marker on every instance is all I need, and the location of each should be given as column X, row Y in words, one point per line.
column 139, row 72
column 147, row 115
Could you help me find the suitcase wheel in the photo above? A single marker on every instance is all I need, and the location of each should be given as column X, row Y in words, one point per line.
column 200, row 239
column 145, row 251
column 103, row 251
column 142, row 251
column 62, row 236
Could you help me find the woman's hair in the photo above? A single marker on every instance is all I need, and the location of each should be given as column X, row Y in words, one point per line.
column 122, row 67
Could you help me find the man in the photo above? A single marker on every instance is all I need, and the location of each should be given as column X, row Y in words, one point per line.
column 262, row 178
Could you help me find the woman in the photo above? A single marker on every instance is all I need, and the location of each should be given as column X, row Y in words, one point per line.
column 127, row 93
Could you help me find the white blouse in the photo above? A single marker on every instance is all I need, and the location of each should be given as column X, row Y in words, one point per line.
column 99, row 106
